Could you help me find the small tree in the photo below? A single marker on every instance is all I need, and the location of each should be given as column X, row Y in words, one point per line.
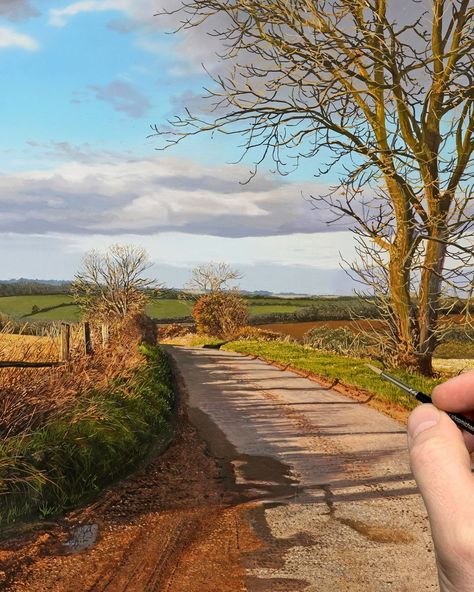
column 213, row 277
column 220, row 314
column 111, row 285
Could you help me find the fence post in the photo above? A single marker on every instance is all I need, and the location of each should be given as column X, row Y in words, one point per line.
column 65, row 342
column 105, row 334
column 86, row 331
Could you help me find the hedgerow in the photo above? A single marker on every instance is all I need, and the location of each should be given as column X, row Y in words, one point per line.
column 102, row 437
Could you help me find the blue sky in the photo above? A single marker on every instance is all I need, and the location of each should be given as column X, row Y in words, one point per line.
column 83, row 82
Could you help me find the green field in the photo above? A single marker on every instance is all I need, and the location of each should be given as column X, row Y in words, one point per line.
column 60, row 307
column 57, row 307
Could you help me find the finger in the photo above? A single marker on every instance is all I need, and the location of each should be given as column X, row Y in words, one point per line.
column 441, row 464
column 456, row 394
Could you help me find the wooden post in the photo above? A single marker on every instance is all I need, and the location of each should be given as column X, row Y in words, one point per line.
column 105, row 334
column 86, row 332
column 65, row 342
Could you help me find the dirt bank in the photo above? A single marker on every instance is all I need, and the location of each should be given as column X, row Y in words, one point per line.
column 173, row 526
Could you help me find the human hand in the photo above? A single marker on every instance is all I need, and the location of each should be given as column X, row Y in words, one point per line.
column 440, row 460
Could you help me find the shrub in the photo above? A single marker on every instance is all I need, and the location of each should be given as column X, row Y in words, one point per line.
column 343, row 341
column 172, row 330
column 220, row 314
column 253, row 333
column 101, row 437
column 322, row 311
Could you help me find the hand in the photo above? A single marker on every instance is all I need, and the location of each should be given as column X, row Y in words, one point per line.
column 440, row 460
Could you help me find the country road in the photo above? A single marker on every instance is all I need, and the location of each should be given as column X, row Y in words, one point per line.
column 340, row 509
column 272, row 484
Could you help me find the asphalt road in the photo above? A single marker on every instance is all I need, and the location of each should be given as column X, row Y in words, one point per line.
column 337, row 506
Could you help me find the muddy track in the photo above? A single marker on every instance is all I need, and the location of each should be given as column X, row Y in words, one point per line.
column 171, row 527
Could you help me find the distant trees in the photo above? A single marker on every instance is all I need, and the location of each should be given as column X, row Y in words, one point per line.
column 113, row 285
column 212, row 277
column 383, row 91
column 25, row 287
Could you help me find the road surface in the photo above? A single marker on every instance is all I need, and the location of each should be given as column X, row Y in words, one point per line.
column 338, row 508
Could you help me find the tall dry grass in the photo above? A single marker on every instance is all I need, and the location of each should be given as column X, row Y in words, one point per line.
column 30, row 397
column 67, row 431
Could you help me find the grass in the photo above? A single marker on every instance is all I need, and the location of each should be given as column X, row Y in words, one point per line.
column 350, row 371
column 61, row 307
column 52, row 307
column 28, row 348
column 99, row 438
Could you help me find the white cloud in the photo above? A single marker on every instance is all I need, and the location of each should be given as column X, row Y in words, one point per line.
column 135, row 9
column 11, row 38
column 115, row 194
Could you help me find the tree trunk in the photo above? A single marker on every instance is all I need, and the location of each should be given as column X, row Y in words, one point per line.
column 402, row 312
column 429, row 301
column 400, row 262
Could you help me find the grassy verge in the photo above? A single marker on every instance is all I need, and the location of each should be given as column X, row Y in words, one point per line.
column 348, row 371
column 102, row 437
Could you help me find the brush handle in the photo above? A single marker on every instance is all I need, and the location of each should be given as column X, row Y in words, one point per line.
column 460, row 420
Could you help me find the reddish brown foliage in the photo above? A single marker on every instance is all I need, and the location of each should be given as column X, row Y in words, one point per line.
column 220, row 314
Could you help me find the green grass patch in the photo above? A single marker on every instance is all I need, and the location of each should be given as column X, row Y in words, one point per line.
column 51, row 307
column 103, row 437
column 351, row 371
column 169, row 308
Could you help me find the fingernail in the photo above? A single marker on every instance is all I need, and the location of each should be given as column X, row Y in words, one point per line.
column 421, row 419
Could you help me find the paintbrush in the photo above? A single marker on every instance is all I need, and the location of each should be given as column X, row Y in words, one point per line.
column 460, row 420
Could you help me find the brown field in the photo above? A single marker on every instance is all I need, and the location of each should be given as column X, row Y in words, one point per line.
column 28, row 348
column 297, row 330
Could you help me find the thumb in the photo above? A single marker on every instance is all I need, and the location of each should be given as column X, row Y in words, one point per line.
column 441, row 464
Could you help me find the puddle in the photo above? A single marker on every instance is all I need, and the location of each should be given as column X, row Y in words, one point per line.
column 83, row 538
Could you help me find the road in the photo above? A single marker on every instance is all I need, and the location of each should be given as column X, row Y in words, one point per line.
column 272, row 484
column 338, row 508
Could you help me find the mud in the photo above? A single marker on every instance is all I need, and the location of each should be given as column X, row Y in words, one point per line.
column 177, row 525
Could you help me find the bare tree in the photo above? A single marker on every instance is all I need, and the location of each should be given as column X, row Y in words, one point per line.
column 387, row 88
column 212, row 277
column 112, row 285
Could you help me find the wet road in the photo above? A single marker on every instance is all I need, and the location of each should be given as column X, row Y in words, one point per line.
column 339, row 509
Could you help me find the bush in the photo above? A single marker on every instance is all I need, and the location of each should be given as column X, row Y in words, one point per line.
column 322, row 311
column 457, row 342
column 342, row 341
column 220, row 314
column 172, row 330
column 253, row 333
column 101, row 438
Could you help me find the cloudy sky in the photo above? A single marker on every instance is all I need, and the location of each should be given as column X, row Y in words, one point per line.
column 82, row 83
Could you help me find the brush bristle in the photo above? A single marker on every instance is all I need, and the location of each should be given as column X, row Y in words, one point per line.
column 374, row 369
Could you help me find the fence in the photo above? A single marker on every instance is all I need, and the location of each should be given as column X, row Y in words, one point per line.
column 76, row 337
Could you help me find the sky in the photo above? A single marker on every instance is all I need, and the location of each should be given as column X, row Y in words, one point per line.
column 80, row 169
